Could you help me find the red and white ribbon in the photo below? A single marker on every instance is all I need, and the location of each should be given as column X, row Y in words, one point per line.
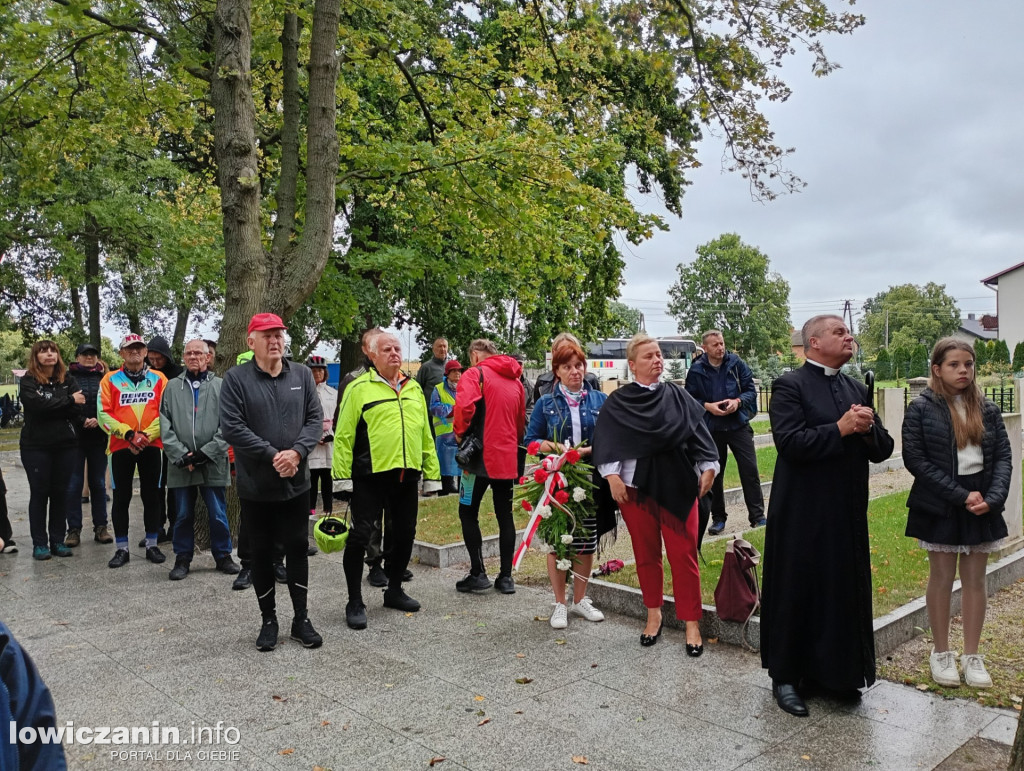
column 556, row 480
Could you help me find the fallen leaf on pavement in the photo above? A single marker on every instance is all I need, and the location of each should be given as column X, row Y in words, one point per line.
column 478, row 698
column 922, row 686
column 408, row 615
column 593, row 666
column 288, row 751
column 581, row 759
column 520, row 655
column 524, row 680
column 435, row 760
column 542, row 618
column 559, row 642
column 326, row 722
column 279, row 698
column 485, row 721
column 805, row 757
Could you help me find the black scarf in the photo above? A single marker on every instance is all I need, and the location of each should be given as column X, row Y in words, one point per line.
column 652, row 426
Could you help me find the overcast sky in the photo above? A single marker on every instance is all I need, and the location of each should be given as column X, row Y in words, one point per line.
column 912, row 155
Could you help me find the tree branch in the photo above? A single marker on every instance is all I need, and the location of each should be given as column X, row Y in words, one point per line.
column 431, row 123
column 284, row 225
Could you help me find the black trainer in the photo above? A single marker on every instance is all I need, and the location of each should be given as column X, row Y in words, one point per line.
column 471, row 583
column 228, row 566
column 717, row 527
column 243, row 580
column 303, row 632
column 154, row 555
column 267, row 640
column 180, row 569
column 165, row 536
column 377, row 577
column 280, row 573
column 504, row 584
column 399, row 600
column 355, row 615
column 120, row 559
column 407, row 575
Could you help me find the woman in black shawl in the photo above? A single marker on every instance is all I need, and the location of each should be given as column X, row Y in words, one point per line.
column 651, row 444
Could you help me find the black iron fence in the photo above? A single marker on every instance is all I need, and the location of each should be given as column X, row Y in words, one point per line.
column 1004, row 396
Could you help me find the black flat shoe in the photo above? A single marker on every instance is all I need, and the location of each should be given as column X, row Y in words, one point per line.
column 788, row 699
column 694, row 650
column 647, row 641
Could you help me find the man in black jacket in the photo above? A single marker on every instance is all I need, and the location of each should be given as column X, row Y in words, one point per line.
column 271, row 416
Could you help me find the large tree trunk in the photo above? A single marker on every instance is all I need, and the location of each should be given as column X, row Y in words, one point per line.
column 91, row 248
column 234, row 125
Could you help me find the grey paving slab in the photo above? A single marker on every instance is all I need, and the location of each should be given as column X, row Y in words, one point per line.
column 1002, row 729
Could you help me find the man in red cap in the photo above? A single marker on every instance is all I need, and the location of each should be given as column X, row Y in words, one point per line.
column 271, row 416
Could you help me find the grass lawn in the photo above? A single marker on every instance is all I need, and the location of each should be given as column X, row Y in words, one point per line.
column 761, row 427
column 10, row 388
column 438, row 520
column 9, row 438
column 899, row 568
column 765, row 465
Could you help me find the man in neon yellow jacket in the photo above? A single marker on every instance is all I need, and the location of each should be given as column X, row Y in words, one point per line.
column 382, row 446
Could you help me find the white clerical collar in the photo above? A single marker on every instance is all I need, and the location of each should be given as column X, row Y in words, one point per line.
column 649, row 387
column 831, row 371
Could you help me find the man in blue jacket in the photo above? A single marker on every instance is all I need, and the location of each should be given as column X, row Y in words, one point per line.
column 722, row 382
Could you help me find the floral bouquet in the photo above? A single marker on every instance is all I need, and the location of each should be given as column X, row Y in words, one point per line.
column 558, row 492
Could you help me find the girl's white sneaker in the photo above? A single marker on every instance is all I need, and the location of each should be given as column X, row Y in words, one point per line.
column 559, row 618
column 975, row 674
column 944, row 670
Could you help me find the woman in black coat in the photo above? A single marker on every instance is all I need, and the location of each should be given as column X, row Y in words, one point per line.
column 955, row 445
column 49, row 443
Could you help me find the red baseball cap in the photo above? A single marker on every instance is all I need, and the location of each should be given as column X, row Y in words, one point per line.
column 263, row 321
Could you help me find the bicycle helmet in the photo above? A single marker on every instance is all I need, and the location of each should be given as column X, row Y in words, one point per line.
column 330, row 533
column 316, row 361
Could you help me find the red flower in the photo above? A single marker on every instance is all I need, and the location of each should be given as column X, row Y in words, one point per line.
column 533, row 448
column 562, row 496
column 540, row 476
column 572, row 456
column 523, row 480
column 527, row 505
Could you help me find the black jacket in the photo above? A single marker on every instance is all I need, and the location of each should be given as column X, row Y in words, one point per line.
column 929, row 453
column 89, row 382
column 732, row 380
column 261, row 415
column 52, row 419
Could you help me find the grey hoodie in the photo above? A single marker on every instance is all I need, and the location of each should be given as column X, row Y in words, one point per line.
column 261, row 415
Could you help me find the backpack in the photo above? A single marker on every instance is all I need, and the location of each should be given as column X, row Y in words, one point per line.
column 738, row 596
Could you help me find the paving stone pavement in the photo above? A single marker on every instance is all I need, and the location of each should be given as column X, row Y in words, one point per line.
column 128, row 647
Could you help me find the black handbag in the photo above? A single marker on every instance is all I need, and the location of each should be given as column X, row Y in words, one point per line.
column 472, row 446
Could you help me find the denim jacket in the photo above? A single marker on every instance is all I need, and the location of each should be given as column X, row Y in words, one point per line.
column 552, row 417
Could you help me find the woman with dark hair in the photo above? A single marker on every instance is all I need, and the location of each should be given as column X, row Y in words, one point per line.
column 652, row 446
column 955, row 445
column 49, row 445
column 563, row 418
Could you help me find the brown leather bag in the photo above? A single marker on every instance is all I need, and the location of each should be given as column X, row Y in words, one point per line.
column 737, row 595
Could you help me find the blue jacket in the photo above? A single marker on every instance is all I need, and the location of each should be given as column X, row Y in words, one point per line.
column 551, row 416
column 733, row 380
column 25, row 701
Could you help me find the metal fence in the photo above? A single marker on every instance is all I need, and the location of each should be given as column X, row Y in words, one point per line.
column 1004, row 396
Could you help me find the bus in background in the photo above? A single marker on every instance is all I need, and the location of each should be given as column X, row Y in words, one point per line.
column 607, row 358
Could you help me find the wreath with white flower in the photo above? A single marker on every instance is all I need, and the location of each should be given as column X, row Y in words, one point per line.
column 558, row 492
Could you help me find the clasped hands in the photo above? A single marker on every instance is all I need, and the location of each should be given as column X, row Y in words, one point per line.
column 286, row 463
column 976, row 504
column 857, row 420
column 137, row 441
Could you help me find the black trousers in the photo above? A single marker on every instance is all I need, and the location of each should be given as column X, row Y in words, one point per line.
column 320, row 482
column 47, row 471
column 397, row 492
column 265, row 524
column 5, row 522
column 122, row 469
column 741, row 442
column 471, row 493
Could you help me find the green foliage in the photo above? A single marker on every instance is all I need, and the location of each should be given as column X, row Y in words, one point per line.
column 1000, row 353
column 900, row 361
column 676, row 368
column 912, row 315
column 1018, row 356
column 918, row 362
column 730, row 286
column 982, row 352
column 883, row 364
column 624, row 321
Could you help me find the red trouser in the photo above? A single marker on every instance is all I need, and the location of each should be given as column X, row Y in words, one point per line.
column 648, row 524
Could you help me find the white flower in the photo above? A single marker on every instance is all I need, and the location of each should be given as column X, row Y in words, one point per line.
column 544, row 548
column 566, row 538
column 563, row 565
column 543, row 511
column 579, row 494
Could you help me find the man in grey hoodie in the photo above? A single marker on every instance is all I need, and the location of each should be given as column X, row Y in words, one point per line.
column 271, row 416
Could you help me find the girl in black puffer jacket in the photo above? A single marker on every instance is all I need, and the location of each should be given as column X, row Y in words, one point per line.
column 49, row 442
column 955, row 445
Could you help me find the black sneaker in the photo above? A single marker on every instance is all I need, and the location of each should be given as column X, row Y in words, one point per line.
column 267, row 640
column 311, row 550
column 180, row 569
column 154, row 555
column 228, row 566
column 504, row 584
column 10, row 547
column 142, row 543
column 377, row 577
column 399, row 600
column 717, row 527
column 355, row 615
column 243, row 580
column 165, row 536
column 280, row 573
column 120, row 559
column 471, row 583
column 303, row 632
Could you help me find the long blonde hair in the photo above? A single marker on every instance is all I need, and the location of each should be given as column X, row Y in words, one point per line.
column 969, row 427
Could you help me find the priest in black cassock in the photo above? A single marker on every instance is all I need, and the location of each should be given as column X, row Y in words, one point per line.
column 816, row 620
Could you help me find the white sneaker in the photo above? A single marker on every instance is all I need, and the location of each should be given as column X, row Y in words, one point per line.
column 975, row 674
column 559, row 619
column 944, row 670
column 586, row 609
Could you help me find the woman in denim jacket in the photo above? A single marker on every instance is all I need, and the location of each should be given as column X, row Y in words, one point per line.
column 564, row 418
